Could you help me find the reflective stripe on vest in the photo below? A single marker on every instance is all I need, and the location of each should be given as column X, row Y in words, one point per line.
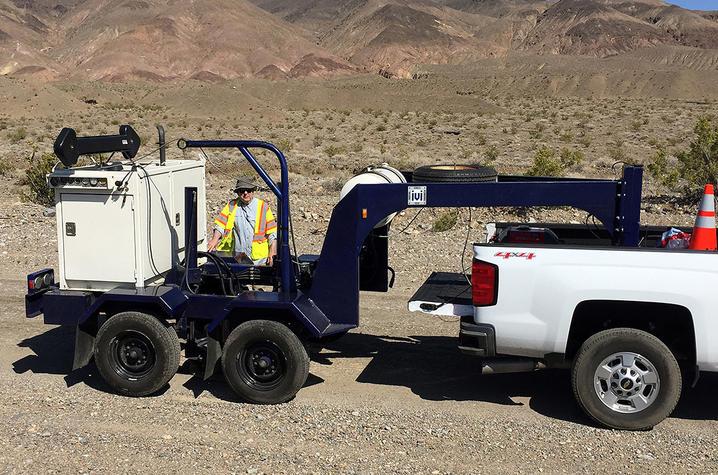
column 227, row 242
column 260, row 224
column 260, row 246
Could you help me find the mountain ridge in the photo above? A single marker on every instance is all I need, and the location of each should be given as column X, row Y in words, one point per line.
column 217, row 40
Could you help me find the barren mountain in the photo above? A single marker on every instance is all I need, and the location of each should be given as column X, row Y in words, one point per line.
column 587, row 27
column 393, row 36
column 161, row 40
column 22, row 43
column 215, row 40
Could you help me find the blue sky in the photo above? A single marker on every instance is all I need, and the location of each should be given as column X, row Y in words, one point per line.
column 696, row 4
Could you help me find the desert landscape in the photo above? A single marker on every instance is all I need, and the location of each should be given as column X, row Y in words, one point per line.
column 338, row 86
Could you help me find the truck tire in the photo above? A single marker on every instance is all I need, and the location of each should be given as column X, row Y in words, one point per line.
column 264, row 362
column 454, row 174
column 136, row 354
column 626, row 379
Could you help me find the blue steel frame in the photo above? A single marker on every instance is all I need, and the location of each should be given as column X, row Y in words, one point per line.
column 332, row 303
column 335, row 285
column 281, row 191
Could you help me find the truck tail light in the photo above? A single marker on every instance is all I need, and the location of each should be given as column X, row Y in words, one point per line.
column 525, row 237
column 40, row 280
column 484, row 283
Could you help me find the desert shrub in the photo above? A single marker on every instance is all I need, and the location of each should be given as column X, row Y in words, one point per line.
column 465, row 154
column 334, row 184
column 285, row 145
column 659, row 168
column 17, row 135
column 652, row 141
column 491, row 154
column 5, row 168
column 38, row 191
column 616, row 152
column 537, row 132
column 696, row 166
column 445, row 221
column 673, row 141
column 333, row 150
column 567, row 137
column 545, row 163
column 584, row 140
column 570, row 157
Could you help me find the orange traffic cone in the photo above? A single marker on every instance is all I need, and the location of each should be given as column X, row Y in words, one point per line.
column 704, row 231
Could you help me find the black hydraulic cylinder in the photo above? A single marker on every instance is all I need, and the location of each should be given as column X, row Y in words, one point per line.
column 190, row 236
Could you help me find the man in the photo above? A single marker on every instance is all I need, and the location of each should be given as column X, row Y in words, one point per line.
column 246, row 227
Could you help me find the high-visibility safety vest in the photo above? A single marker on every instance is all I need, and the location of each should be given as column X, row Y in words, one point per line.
column 264, row 224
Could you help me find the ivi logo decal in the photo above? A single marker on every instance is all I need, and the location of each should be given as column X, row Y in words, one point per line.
column 417, row 196
column 508, row 255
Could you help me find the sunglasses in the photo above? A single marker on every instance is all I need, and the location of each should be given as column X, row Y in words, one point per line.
column 244, row 190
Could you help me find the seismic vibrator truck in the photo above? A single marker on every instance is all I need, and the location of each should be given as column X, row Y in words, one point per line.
column 135, row 279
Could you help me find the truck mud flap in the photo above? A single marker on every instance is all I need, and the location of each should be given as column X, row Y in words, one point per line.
column 443, row 293
column 84, row 345
column 214, row 354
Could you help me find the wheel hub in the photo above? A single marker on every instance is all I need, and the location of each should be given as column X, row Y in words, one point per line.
column 262, row 365
column 626, row 382
column 133, row 354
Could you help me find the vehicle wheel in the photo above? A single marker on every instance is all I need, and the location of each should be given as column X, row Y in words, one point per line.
column 626, row 379
column 264, row 362
column 454, row 174
column 136, row 354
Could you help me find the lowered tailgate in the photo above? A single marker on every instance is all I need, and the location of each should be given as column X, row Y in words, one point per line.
column 444, row 293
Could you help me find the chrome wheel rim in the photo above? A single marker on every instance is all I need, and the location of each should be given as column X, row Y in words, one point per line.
column 627, row 382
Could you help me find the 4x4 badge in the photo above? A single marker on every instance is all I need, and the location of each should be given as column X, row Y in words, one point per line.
column 508, row 255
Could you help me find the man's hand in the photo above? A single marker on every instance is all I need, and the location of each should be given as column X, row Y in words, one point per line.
column 270, row 260
column 212, row 244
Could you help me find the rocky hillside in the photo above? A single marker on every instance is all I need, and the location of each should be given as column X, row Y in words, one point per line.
column 156, row 40
column 214, row 40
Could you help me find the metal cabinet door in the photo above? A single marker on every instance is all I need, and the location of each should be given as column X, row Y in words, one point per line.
column 98, row 237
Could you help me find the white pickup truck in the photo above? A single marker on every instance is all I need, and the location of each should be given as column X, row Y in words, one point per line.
column 632, row 324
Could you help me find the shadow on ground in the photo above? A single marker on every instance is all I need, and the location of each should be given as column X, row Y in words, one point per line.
column 430, row 366
column 53, row 354
column 433, row 368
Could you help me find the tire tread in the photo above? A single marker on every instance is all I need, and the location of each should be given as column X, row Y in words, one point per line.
column 167, row 347
column 602, row 338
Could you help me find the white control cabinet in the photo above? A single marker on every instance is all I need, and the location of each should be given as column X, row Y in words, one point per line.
column 119, row 226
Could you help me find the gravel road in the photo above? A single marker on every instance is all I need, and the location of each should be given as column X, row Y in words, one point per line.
column 394, row 396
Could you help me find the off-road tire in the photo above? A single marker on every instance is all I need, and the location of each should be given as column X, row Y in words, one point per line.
column 145, row 335
column 603, row 345
column 456, row 173
column 263, row 342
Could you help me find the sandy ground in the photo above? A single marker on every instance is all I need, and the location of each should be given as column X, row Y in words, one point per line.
column 394, row 395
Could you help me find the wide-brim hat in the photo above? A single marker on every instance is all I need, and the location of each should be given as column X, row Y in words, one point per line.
column 245, row 183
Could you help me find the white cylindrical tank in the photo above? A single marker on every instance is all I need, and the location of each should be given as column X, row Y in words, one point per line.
column 374, row 175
